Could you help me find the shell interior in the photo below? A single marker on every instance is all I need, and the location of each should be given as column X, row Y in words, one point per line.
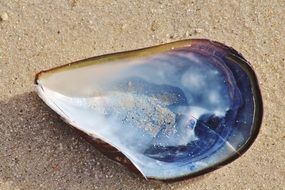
column 173, row 110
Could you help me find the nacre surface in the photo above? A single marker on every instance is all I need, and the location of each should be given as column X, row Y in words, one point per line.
column 175, row 110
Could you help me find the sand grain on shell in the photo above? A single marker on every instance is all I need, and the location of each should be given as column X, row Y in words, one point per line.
column 147, row 113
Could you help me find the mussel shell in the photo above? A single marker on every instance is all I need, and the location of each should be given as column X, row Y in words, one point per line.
column 243, row 91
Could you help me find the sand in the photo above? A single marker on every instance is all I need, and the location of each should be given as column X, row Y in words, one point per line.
column 39, row 151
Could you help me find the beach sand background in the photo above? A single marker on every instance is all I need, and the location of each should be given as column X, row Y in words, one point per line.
column 39, row 151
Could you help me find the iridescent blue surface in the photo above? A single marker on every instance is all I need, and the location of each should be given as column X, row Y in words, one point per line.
column 212, row 131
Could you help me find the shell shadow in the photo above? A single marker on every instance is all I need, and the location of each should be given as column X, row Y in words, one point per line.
column 39, row 150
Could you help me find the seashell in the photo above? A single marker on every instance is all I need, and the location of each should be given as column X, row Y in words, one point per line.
column 170, row 112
